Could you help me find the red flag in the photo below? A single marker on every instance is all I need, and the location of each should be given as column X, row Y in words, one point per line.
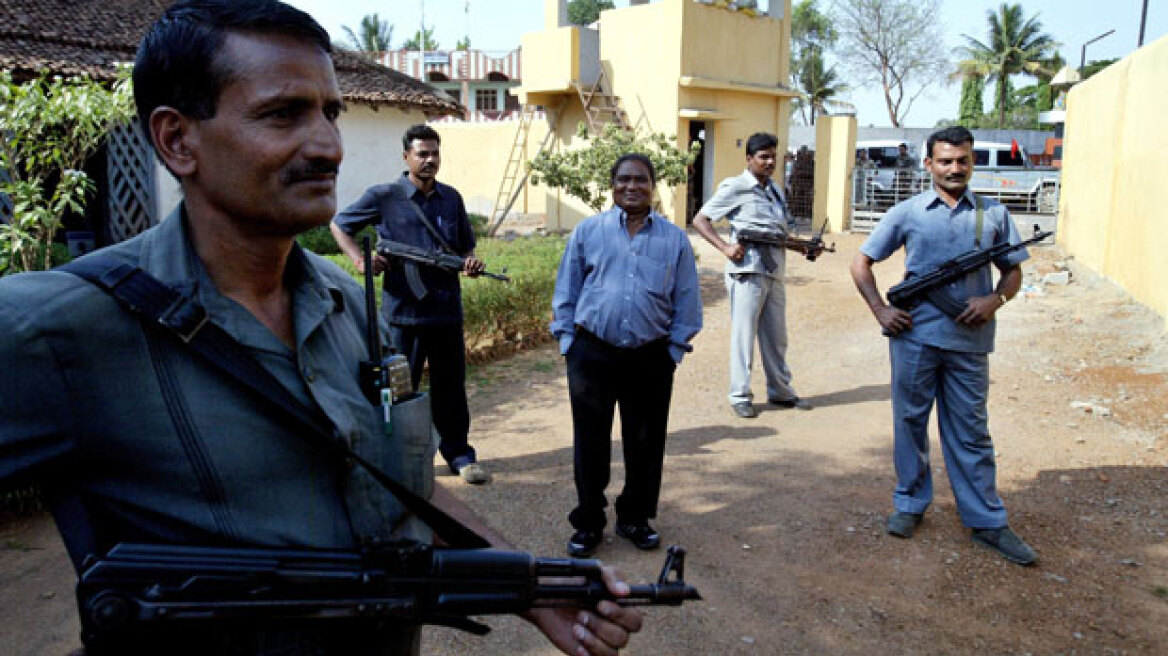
column 1014, row 148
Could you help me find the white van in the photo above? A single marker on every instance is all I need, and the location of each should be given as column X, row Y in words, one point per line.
column 992, row 154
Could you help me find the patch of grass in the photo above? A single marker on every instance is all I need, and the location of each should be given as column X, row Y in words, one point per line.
column 1161, row 591
column 502, row 317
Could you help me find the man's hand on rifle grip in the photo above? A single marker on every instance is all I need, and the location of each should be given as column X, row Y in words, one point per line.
column 734, row 251
column 893, row 319
column 379, row 264
column 979, row 310
column 473, row 266
column 602, row 631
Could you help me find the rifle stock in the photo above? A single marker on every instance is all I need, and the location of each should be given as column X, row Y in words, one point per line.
column 138, row 589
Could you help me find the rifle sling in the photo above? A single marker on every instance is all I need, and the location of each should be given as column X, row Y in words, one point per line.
column 181, row 316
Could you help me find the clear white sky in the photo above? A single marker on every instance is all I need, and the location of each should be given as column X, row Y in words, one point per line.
column 500, row 24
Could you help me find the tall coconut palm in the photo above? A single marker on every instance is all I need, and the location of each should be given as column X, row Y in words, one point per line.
column 372, row 36
column 1015, row 46
column 818, row 82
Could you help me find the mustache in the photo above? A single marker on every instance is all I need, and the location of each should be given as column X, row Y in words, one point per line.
column 310, row 171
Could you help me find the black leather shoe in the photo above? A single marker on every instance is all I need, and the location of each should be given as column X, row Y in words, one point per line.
column 583, row 543
column 902, row 524
column 1007, row 543
column 744, row 410
column 798, row 403
column 642, row 536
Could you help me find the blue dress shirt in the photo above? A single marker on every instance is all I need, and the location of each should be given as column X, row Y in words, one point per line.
column 628, row 291
column 932, row 234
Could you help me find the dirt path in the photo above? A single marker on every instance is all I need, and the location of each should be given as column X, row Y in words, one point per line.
column 781, row 515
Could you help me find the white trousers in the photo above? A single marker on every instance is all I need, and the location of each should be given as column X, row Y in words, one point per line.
column 758, row 308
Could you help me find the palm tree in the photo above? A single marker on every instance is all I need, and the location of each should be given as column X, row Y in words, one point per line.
column 1015, row 46
column 373, row 35
column 818, row 83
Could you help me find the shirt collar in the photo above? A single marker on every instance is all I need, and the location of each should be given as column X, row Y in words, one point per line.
column 412, row 189
column 623, row 216
column 932, row 198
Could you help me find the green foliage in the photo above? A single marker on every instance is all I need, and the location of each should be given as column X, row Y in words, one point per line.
column 1095, row 66
column 319, row 240
column 49, row 127
column 373, row 35
column 463, row 43
column 478, row 223
column 584, row 173
column 812, row 34
column 422, row 40
column 972, row 90
column 1014, row 46
column 500, row 317
column 586, row 12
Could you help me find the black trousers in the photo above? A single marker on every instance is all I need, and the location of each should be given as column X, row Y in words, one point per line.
column 443, row 347
column 640, row 381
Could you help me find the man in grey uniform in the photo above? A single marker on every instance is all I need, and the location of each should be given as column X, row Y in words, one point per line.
column 133, row 436
column 754, row 278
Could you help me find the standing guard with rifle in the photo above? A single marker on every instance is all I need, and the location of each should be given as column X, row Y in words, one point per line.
column 940, row 321
column 426, row 220
column 191, row 403
column 756, row 263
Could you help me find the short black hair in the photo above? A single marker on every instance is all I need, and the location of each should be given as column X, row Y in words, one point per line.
column 760, row 141
column 955, row 135
column 422, row 132
column 178, row 63
column 632, row 157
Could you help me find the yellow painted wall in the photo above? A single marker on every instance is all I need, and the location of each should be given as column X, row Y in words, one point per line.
column 474, row 156
column 549, row 59
column 1111, row 216
column 645, row 50
column 835, row 157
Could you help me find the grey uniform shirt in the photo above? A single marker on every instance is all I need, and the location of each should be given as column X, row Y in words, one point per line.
column 87, row 413
column 747, row 204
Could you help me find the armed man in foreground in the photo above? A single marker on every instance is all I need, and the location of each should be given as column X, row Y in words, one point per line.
column 135, row 433
column 943, row 359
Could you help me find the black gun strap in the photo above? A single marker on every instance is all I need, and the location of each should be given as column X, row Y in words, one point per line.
column 182, row 317
column 430, row 227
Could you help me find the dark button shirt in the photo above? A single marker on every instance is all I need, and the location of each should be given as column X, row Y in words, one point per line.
column 388, row 206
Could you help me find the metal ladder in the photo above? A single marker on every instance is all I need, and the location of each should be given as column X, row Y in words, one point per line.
column 516, row 172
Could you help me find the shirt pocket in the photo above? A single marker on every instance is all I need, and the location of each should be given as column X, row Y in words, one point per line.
column 654, row 275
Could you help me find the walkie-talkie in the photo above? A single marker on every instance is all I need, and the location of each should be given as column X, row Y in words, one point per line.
column 385, row 376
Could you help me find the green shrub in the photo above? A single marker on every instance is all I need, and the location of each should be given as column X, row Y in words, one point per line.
column 319, row 240
column 478, row 223
column 502, row 317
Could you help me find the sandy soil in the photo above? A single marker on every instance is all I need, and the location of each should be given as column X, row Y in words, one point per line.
column 782, row 515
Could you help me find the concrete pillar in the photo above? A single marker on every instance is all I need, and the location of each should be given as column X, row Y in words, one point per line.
column 835, row 158
column 555, row 14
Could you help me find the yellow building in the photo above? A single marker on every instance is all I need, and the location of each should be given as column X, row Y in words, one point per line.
column 700, row 71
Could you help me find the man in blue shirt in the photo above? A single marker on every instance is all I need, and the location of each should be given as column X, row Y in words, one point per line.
column 418, row 210
column 754, row 276
column 625, row 307
column 942, row 359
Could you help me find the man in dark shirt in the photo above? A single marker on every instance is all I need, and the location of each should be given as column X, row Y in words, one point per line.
column 418, row 210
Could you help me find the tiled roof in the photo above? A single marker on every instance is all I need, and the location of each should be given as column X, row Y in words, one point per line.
column 73, row 37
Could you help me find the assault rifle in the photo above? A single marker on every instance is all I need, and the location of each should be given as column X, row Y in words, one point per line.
column 139, row 590
column 909, row 293
column 412, row 256
column 812, row 248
